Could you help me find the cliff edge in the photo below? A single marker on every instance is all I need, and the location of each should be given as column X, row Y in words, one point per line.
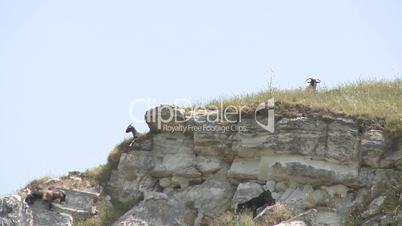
column 194, row 166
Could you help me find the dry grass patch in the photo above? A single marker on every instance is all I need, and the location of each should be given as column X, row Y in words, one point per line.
column 275, row 215
column 230, row 219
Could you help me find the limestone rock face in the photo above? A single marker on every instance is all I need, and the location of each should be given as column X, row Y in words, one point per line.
column 213, row 142
column 78, row 203
column 393, row 155
column 208, row 165
column 173, row 155
column 210, row 198
column 158, row 212
column 315, row 162
column 301, row 148
column 132, row 177
column 42, row 217
column 244, row 169
column 9, row 210
column 165, row 115
column 312, row 159
column 372, row 147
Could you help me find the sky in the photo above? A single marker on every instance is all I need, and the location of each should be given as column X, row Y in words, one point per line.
column 71, row 69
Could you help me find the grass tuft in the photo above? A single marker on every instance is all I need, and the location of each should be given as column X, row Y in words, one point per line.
column 277, row 214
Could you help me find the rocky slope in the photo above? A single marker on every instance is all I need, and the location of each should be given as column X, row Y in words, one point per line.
column 327, row 168
column 79, row 204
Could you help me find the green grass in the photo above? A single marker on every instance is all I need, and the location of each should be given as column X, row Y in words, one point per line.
column 363, row 99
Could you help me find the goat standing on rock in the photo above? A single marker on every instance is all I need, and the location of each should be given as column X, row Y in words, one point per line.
column 131, row 129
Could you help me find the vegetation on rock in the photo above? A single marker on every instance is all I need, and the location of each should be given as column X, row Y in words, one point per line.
column 277, row 214
column 363, row 99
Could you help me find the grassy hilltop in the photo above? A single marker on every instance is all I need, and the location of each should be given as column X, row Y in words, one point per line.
column 367, row 99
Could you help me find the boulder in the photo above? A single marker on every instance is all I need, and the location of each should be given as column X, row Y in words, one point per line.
column 287, row 193
column 173, row 154
column 41, row 216
column 78, row 203
column 210, row 198
column 158, row 211
column 308, row 217
column 164, row 117
column 132, row 177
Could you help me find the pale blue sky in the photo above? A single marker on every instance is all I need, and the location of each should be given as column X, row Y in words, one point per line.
column 70, row 69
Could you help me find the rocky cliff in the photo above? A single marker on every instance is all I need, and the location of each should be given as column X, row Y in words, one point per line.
column 326, row 168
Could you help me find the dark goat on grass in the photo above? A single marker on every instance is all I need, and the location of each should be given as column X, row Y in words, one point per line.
column 264, row 199
column 313, row 83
